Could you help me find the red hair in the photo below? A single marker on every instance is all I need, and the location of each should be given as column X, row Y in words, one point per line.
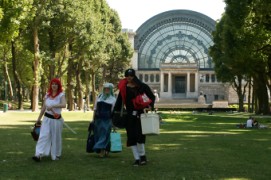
column 50, row 90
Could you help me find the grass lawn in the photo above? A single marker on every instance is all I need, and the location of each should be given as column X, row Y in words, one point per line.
column 190, row 146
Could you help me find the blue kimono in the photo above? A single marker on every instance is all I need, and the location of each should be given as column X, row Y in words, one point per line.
column 103, row 123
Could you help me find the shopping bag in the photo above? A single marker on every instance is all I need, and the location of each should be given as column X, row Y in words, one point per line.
column 90, row 143
column 35, row 133
column 119, row 118
column 150, row 123
column 115, row 141
column 90, row 138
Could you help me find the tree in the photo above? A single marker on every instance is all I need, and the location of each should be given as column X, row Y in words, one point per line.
column 15, row 16
column 236, row 40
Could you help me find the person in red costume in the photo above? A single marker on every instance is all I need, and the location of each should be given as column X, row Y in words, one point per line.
column 129, row 88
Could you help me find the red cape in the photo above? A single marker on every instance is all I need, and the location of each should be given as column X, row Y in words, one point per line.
column 122, row 88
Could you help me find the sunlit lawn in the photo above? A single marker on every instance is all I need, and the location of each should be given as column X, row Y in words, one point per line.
column 190, row 146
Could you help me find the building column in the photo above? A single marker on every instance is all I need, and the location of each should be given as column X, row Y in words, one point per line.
column 161, row 82
column 188, row 82
column 196, row 82
column 170, row 84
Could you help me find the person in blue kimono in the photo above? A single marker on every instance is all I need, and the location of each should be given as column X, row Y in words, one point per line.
column 103, row 109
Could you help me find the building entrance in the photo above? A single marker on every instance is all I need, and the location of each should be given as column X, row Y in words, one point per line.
column 179, row 87
column 180, row 84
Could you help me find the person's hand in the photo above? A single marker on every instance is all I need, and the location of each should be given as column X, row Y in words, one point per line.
column 114, row 128
column 146, row 110
column 38, row 122
column 49, row 108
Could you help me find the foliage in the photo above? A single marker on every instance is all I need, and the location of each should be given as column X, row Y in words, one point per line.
column 241, row 40
column 74, row 40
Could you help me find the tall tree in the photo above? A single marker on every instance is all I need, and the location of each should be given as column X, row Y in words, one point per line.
column 16, row 14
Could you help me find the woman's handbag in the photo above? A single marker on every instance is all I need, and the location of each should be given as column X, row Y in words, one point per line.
column 90, row 139
column 150, row 123
column 115, row 141
column 141, row 101
column 35, row 133
column 119, row 118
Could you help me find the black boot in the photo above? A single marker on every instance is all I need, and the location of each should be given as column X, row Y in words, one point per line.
column 136, row 163
column 143, row 160
column 36, row 158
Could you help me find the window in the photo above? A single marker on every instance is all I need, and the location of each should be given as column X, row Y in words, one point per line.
column 140, row 77
column 207, row 78
column 146, row 78
column 213, row 77
column 201, row 78
column 152, row 77
column 157, row 78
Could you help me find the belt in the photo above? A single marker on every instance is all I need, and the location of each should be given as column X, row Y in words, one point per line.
column 51, row 116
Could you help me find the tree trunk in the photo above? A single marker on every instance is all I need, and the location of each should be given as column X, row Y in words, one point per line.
column 249, row 96
column 240, row 93
column 17, row 78
column 35, row 95
column 93, row 93
column 261, row 94
column 7, row 77
column 87, row 89
column 52, row 66
column 79, row 85
column 70, row 83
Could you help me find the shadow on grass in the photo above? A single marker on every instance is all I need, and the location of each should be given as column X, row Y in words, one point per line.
column 189, row 147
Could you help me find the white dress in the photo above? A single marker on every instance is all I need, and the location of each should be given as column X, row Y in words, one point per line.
column 50, row 139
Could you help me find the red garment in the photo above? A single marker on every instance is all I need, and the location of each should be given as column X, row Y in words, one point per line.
column 122, row 88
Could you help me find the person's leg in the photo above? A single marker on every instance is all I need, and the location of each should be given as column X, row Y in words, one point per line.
column 56, row 133
column 136, row 155
column 44, row 142
column 142, row 153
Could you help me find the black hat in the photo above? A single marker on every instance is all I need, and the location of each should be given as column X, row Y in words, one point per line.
column 129, row 72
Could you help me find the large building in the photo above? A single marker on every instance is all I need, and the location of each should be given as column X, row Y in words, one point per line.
column 171, row 56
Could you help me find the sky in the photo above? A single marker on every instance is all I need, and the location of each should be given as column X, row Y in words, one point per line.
column 133, row 13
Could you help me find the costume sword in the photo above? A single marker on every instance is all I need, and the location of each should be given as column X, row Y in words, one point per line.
column 67, row 126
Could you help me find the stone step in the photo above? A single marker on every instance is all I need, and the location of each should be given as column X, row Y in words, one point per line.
column 181, row 106
column 177, row 101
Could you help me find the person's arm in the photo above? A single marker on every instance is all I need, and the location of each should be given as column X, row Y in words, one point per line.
column 150, row 94
column 62, row 103
column 118, row 103
column 41, row 113
column 95, row 107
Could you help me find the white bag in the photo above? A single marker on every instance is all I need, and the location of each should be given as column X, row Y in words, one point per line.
column 150, row 123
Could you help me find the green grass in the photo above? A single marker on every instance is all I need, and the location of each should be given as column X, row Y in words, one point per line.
column 190, row 146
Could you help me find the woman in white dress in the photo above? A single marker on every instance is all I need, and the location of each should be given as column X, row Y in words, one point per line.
column 50, row 138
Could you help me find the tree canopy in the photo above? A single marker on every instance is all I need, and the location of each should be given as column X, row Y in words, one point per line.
column 241, row 50
column 80, row 42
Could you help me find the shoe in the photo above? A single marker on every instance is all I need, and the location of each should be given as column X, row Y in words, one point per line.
column 136, row 163
column 143, row 160
column 57, row 158
column 106, row 154
column 36, row 158
column 102, row 154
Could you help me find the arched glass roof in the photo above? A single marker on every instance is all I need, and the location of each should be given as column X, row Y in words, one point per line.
column 178, row 36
